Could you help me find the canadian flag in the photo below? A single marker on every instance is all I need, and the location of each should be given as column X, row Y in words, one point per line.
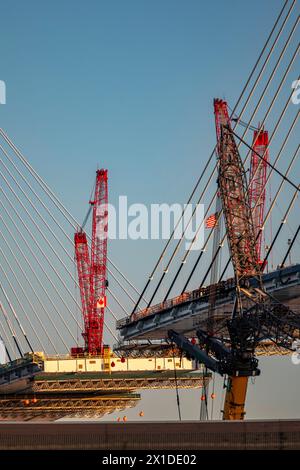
column 211, row 221
column 101, row 302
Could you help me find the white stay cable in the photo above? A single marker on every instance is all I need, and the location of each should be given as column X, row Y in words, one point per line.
column 37, row 337
column 12, row 253
column 49, row 213
column 41, row 267
column 14, row 314
column 62, row 209
column 33, row 271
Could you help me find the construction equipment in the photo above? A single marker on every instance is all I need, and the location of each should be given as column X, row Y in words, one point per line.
column 257, row 184
column 256, row 315
column 91, row 269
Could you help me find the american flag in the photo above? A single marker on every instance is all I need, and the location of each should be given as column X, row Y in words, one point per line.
column 211, row 221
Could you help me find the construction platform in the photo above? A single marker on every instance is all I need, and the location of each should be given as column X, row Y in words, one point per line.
column 53, row 407
column 115, row 382
column 35, row 373
column 29, row 393
column 189, row 435
column 189, row 312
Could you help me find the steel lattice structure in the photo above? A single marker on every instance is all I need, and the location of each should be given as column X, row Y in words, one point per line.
column 92, row 270
column 257, row 184
column 235, row 201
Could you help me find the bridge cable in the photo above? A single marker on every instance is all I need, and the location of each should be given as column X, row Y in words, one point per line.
column 58, row 204
column 15, row 316
column 11, row 329
column 212, row 154
column 12, row 253
column 47, row 225
column 266, row 161
column 18, row 301
column 268, row 177
column 33, row 271
column 48, row 211
column 274, row 199
column 245, row 160
column 282, row 223
column 43, row 270
column 290, row 247
column 270, row 140
column 7, row 342
column 253, row 114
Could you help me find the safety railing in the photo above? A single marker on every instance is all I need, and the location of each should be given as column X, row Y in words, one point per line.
column 219, row 290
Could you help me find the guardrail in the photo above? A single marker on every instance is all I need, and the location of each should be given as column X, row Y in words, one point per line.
column 219, row 290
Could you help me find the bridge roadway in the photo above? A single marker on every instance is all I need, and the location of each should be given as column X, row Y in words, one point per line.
column 189, row 312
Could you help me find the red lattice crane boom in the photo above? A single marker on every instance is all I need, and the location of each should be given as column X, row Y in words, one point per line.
column 92, row 269
column 235, row 199
column 98, row 282
column 257, row 185
column 83, row 269
column 221, row 119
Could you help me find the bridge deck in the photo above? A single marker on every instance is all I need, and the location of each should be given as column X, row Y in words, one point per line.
column 189, row 314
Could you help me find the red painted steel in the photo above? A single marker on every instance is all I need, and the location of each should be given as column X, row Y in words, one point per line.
column 92, row 271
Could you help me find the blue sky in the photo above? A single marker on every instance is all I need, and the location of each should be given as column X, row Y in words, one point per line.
column 127, row 85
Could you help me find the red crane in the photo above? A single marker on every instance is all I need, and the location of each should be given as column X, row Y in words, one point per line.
column 91, row 269
column 256, row 315
column 257, row 186
column 258, row 170
column 221, row 118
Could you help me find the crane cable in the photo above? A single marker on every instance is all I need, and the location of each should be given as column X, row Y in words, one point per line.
column 206, row 166
column 278, row 156
column 273, row 202
column 265, row 160
column 176, row 383
column 252, row 117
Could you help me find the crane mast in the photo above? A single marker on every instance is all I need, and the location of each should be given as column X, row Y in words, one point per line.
column 240, row 230
column 83, row 269
column 91, row 269
column 257, row 185
column 98, row 282
column 233, row 189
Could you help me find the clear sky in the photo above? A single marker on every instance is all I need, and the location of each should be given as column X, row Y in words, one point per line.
column 126, row 85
